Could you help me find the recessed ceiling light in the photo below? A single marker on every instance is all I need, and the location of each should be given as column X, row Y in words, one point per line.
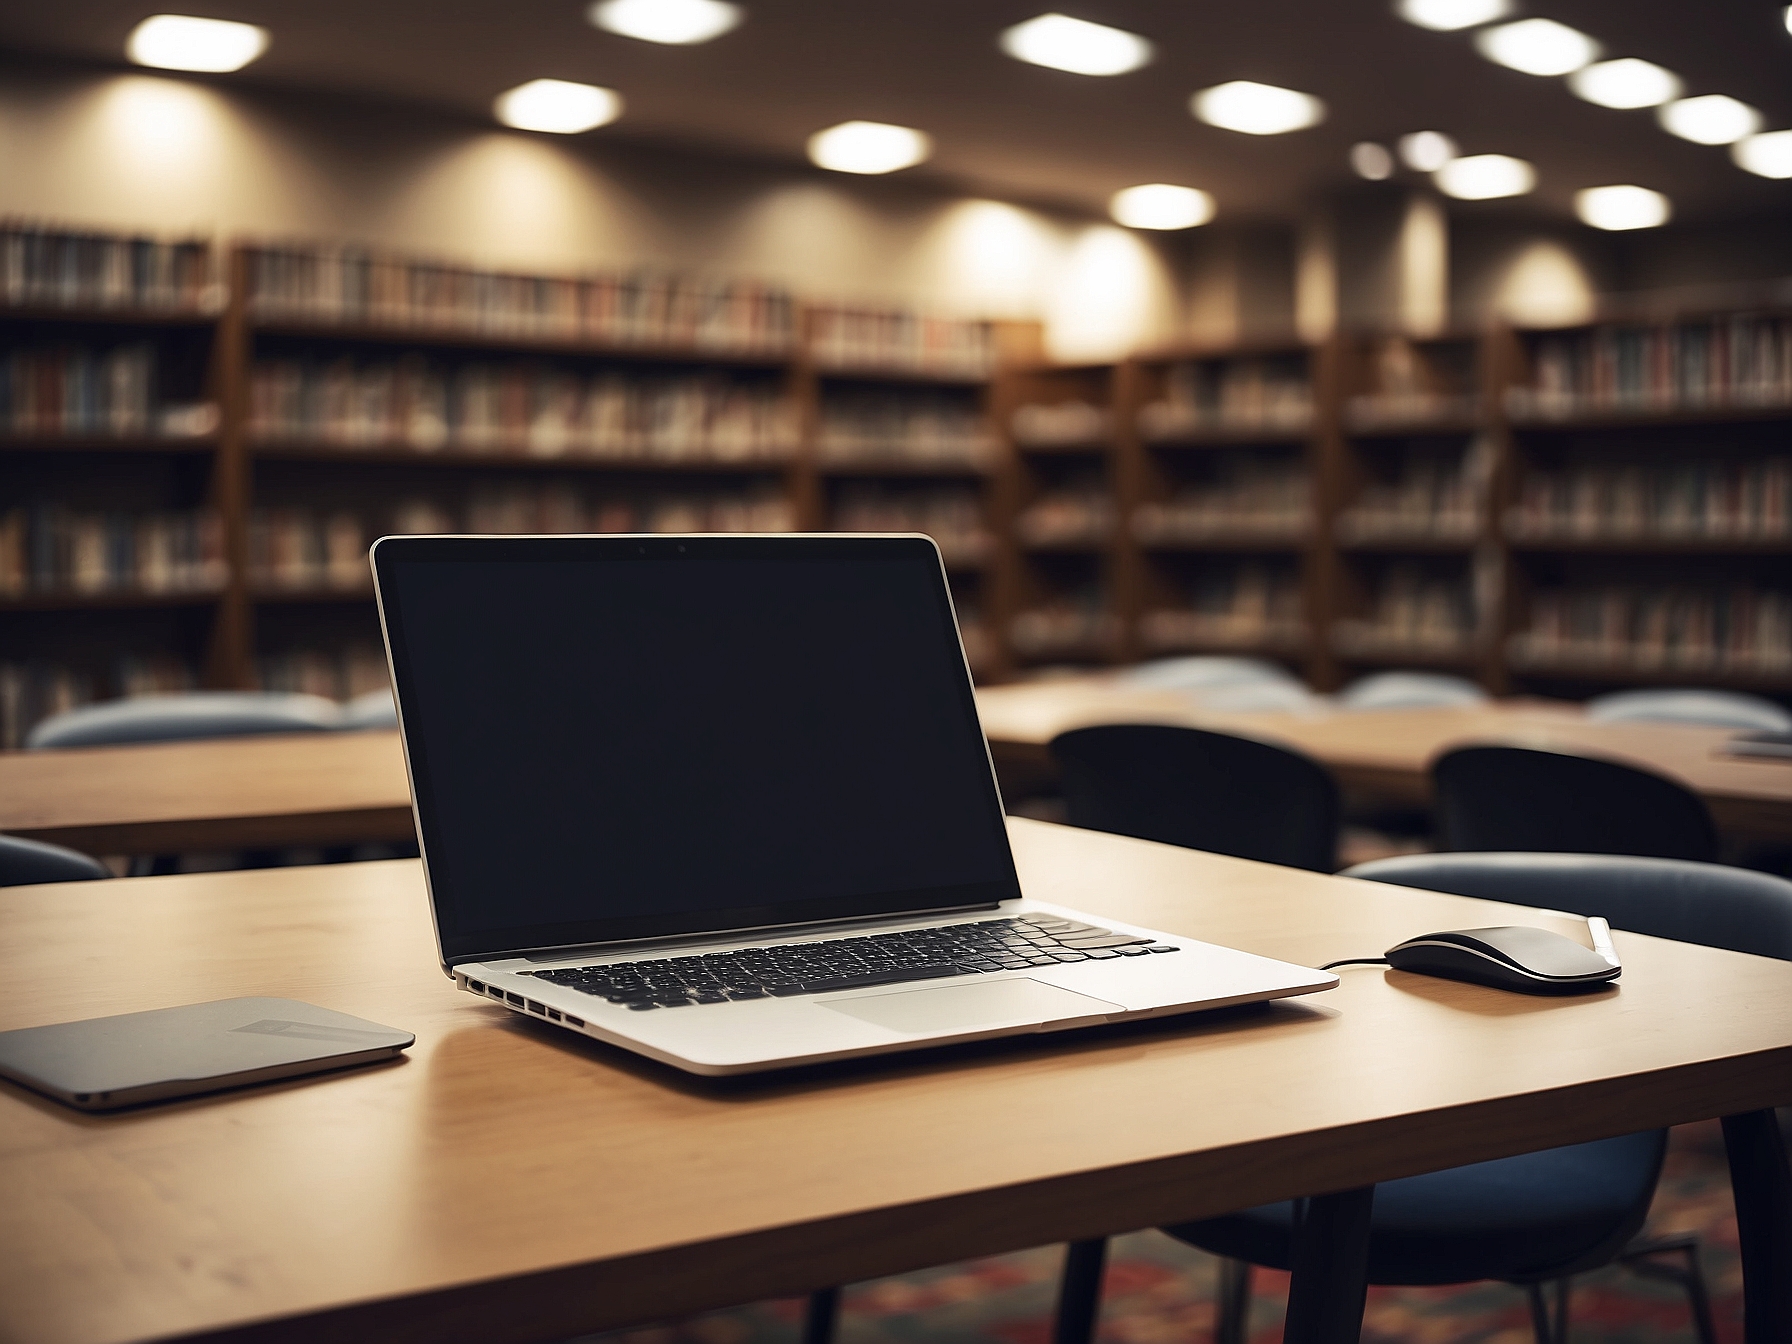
column 557, row 106
column 1625, row 83
column 1256, row 109
column 1372, row 161
column 1485, row 177
column 1158, row 205
column 178, row 42
column 1618, row 208
column 1710, row 119
column 1446, row 16
column 1076, row 45
column 1786, row 14
column 1426, row 151
column 1537, row 47
column 1768, row 154
column 674, row 22
column 868, row 147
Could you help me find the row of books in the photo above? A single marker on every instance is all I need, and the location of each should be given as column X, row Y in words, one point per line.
column 337, row 673
column 1739, row 361
column 1429, row 496
column 1412, row 609
column 353, row 286
column 1668, row 628
column 1064, row 423
column 521, row 407
column 44, row 266
column 1245, row 605
column 74, row 390
column 903, row 426
column 952, row 516
column 1413, row 385
column 1074, row 624
column 34, row 690
column 1247, row 494
column 1251, row 395
column 48, row 549
column 1069, row 517
column 1735, row 500
column 843, row 338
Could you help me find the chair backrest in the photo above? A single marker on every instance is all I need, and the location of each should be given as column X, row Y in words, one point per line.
column 1409, row 690
column 1201, row 790
column 1709, row 709
column 25, row 863
column 375, row 709
column 1706, row 903
column 178, row 718
column 1519, row 798
column 1200, row 672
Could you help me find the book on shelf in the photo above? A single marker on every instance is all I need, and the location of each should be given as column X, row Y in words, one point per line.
column 953, row 517
column 1738, row 361
column 50, row 550
column 1070, row 517
column 71, row 389
column 339, row 673
column 876, row 339
column 902, row 427
column 34, row 690
column 323, row 285
column 565, row 508
column 519, row 407
column 1071, row 626
column 1712, row 498
column 1667, row 627
column 1249, row 496
column 1245, row 604
column 1430, row 497
column 1271, row 395
column 1062, row 424
column 1414, row 386
column 1415, row 610
column 46, row 266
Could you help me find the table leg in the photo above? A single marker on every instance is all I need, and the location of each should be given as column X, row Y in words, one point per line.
column 1761, row 1182
column 1331, row 1268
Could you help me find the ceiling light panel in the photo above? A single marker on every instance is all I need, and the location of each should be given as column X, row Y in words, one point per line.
column 1766, row 155
column 868, row 147
column 1710, row 119
column 1371, row 161
column 1625, row 83
column 1619, row 208
column 1083, row 48
column 557, row 106
column 1537, row 47
column 1485, row 177
column 1446, row 16
column 679, row 23
column 1158, row 205
column 1426, row 151
column 179, row 42
column 1257, row 109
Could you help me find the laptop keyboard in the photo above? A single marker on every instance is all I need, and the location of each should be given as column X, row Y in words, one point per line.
column 789, row 969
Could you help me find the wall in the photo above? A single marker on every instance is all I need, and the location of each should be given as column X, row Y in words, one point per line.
column 130, row 150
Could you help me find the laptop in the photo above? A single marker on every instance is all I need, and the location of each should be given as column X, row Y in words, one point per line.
column 725, row 801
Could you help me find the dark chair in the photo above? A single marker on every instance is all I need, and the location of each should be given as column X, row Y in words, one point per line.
column 1518, row 798
column 1201, row 790
column 182, row 718
column 1538, row 1217
column 25, row 863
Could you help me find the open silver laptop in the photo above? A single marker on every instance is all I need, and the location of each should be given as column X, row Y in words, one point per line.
column 725, row 801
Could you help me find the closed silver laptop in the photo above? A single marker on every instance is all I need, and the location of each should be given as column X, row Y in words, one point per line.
column 725, row 801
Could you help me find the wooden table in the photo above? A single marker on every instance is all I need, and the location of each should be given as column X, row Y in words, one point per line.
column 509, row 1182
column 238, row 793
column 1388, row 753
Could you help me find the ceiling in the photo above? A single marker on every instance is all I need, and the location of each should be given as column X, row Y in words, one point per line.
column 1013, row 130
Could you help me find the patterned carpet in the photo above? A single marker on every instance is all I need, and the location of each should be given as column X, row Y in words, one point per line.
column 1159, row 1291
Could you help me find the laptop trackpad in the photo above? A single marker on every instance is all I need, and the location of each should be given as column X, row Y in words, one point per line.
column 957, row 1007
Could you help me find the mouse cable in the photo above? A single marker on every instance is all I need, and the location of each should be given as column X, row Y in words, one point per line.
column 1355, row 961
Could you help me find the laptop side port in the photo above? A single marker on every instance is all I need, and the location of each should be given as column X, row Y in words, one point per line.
column 475, row 986
column 535, row 1007
column 572, row 1021
column 516, row 999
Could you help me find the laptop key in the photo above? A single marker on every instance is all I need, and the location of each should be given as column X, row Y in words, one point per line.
column 839, row 982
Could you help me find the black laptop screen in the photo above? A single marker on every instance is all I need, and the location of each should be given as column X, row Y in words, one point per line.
column 624, row 737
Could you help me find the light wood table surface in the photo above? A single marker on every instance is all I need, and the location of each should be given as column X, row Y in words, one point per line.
column 237, row 793
column 511, row 1182
column 1388, row 753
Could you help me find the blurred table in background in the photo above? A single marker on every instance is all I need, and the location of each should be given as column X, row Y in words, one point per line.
column 1386, row 754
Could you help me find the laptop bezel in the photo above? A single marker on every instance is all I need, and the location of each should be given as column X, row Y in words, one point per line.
column 457, row 947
